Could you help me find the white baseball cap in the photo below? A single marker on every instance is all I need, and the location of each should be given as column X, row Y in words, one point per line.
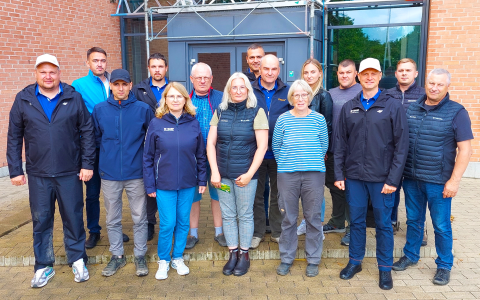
column 369, row 63
column 47, row 58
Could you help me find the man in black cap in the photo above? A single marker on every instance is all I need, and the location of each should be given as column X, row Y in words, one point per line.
column 121, row 123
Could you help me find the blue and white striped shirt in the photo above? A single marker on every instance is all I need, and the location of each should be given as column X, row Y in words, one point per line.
column 300, row 143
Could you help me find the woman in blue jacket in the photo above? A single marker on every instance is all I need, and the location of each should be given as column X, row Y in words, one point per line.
column 174, row 163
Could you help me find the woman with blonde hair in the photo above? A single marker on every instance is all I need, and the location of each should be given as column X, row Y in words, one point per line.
column 174, row 163
column 237, row 142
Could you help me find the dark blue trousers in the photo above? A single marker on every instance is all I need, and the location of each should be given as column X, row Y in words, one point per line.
column 92, row 198
column 358, row 192
column 68, row 191
column 396, row 203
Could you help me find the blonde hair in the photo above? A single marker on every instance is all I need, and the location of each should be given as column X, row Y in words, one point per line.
column 163, row 107
column 319, row 84
column 251, row 99
column 300, row 83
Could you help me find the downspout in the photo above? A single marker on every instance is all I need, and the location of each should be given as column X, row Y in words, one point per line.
column 325, row 43
column 312, row 18
column 147, row 38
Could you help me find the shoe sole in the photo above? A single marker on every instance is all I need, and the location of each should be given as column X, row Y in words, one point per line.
column 190, row 247
column 217, row 240
column 395, row 268
column 240, row 274
column 108, row 274
column 258, row 244
column 335, row 230
column 227, row 273
column 141, row 273
column 344, row 244
column 161, row 278
column 181, row 274
column 46, row 281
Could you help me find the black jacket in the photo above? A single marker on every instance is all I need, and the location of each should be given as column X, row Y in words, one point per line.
column 53, row 148
column 143, row 92
column 250, row 75
column 371, row 145
column 411, row 95
column 323, row 104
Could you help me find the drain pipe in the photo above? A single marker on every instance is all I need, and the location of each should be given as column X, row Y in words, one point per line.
column 147, row 38
column 325, row 43
column 312, row 18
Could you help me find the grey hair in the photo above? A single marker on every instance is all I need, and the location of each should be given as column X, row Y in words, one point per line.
column 194, row 68
column 300, row 83
column 440, row 71
column 268, row 55
column 251, row 99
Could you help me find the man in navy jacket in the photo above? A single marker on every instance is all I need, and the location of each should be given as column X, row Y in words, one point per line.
column 271, row 95
column 370, row 151
column 121, row 124
column 51, row 117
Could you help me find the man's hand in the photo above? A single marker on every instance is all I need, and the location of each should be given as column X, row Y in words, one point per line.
column 388, row 189
column 340, row 184
column 216, row 180
column 451, row 188
column 153, row 195
column 243, row 180
column 201, row 189
column 85, row 175
column 19, row 180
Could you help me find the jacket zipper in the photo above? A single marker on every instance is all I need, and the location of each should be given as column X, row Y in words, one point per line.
column 231, row 137
column 158, row 162
column 365, row 139
column 403, row 98
column 178, row 155
column 415, row 146
column 121, row 144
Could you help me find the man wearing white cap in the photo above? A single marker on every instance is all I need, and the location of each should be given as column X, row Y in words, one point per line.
column 51, row 117
column 371, row 149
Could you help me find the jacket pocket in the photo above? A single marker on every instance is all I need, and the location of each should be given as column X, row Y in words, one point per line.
column 388, row 200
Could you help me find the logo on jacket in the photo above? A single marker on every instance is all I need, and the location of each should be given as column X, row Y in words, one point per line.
column 435, row 118
column 65, row 103
column 280, row 99
column 144, row 93
column 379, row 111
column 247, row 120
column 355, row 111
column 411, row 100
column 168, row 129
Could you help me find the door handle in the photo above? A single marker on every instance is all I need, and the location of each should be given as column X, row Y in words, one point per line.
column 280, row 60
column 192, row 61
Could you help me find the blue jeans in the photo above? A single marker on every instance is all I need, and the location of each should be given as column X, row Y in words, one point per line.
column 174, row 215
column 358, row 193
column 419, row 194
column 238, row 204
column 396, row 203
column 211, row 189
column 92, row 198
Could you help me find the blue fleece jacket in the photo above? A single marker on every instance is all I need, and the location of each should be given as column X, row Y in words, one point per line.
column 120, row 131
column 92, row 89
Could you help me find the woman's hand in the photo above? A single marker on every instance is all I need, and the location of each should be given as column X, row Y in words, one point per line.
column 201, row 189
column 216, row 180
column 153, row 195
column 243, row 180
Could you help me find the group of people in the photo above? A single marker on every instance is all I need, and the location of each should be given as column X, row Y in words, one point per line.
column 163, row 146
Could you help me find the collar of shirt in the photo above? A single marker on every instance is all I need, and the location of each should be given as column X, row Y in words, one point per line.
column 369, row 102
column 38, row 92
column 151, row 83
column 264, row 89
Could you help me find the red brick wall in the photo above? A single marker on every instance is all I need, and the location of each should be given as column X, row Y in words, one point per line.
column 454, row 44
column 66, row 29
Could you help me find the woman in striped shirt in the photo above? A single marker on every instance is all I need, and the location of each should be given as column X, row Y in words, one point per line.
column 300, row 141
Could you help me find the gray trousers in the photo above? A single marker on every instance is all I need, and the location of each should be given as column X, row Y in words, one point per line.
column 112, row 194
column 309, row 187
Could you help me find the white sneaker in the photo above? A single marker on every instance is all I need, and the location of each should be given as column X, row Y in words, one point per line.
column 255, row 242
column 80, row 271
column 163, row 268
column 179, row 265
column 302, row 228
column 41, row 277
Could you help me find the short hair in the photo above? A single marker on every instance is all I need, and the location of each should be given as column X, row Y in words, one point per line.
column 163, row 107
column 251, row 99
column 407, row 60
column 194, row 68
column 255, row 46
column 440, row 71
column 95, row 49
column 346, row 63
column 300, row 83
column 266, row 56
column 157, row 56
column 316, row 63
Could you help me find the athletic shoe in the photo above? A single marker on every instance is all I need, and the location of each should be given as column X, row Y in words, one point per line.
column 80, row 271
column 141, row 268
column 302, row 228
column 42, row 276
column 330, row 228
column 255, row 242
column 346, row 239
column 163, row 267
column 275, row 239
column 220, row 239
column 442, row 277
column 113, row 265
column 191, row 242
column 179, row 265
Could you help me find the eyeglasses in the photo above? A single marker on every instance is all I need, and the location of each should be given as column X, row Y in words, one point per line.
column 241, row 88
column 200, row 79
column 298, row 96
column 173, row 97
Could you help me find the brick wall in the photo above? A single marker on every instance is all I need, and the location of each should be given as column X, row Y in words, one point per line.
column 66, row 29
column 454, row 44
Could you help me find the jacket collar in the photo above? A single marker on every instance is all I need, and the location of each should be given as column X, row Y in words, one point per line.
column 380, row 102
column 93, row 77
column 131, row 99
column 420, row 102
column 237, row 106
column 410, row 88
column 279, row 83
column 184, row 118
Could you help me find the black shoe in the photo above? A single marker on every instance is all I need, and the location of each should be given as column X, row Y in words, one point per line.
column 402, row 264
column 191, row 242
column 125, row 238
column 231, row 263
column 312, row 270
column 442, row 277
column 350, row 270
column 425, row 239
column 385, row 281
column 220, row 239
column 283, row 269
column 243, row 264
column 151, row 231
column 92, row 240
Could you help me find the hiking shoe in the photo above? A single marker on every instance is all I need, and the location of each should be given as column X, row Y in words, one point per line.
column 179, row 265
column 275, row 239
column 80, row 271
column 255, row 242
column 330, row 228
column 220, row 239
column 346, row 239
column 425, row 239
column 442, row 277
column 113, row 265
column 162, row 272
column 402, row 264
column 312, row 270
column 42, row 276
column 191, row 242
column 125, row 238
column 92, row 240
column 141, row 268
column 302, row 228
column 151, row 231
column 283, row 269
column 395, row 227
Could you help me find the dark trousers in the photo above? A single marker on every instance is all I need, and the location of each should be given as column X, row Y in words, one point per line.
column 396, row 203
column 358, row 192
column 68, row 191
column 340, row 211
column 151, row 210
column 275, row 218
column 92, row 198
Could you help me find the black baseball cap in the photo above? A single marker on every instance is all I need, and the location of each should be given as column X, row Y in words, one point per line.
column 120, row 74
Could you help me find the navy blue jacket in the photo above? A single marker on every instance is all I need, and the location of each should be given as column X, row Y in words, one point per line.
column 53, row 148
column 371, row 145
column 411, row 95
column 174, row 156
column 120, row 132
column 278, row 106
